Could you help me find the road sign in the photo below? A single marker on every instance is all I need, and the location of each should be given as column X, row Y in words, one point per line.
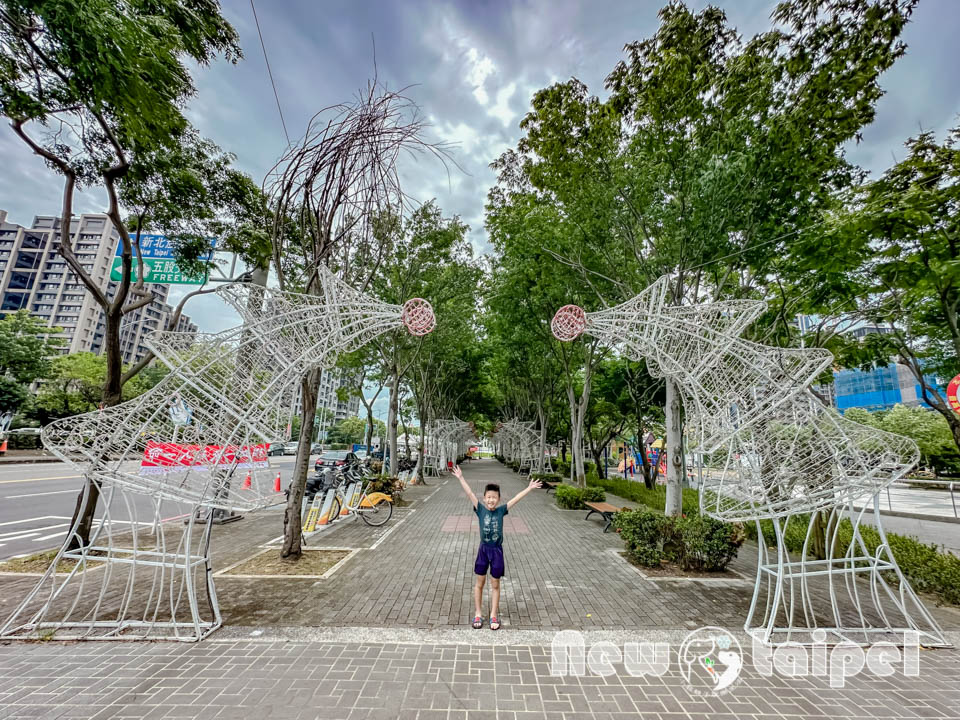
column 156, row 270
column 952, row 394
column 159, row 265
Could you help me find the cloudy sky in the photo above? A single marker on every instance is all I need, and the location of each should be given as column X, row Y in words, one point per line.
column 473, row 65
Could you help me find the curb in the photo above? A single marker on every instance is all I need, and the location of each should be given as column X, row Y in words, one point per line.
column 27, row 460
column 911, row 515
column 449, row 636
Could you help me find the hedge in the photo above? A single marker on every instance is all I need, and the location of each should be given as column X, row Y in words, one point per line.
column 635, row 490
column 697, row 542
column 573, row 498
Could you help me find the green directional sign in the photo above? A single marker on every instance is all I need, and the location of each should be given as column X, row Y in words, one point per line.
column 157, row 270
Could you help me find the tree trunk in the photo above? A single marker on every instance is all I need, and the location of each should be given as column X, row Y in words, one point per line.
column 674, row 447
column 423, row 443
column 369, row 436
column 392, row 423
column 292, row 516
column 543, row 436
column 89, row 496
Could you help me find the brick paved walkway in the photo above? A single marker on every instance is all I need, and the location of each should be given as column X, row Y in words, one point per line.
column 428, row 681
column 386, row 636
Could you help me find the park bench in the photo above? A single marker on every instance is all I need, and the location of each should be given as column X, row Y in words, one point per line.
column 605, row 509
column 548, row 486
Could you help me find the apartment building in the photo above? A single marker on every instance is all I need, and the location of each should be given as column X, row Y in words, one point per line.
column 327, row 399
column 34, row 277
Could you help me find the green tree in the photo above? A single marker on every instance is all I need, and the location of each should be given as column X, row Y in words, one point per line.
column 116, row 75
column 13, row 395
column 890, row 258
column 709, row 158
column 74, row 385
column 350, row 430
column 26, row 347
column 426, row 256
column 926, row 427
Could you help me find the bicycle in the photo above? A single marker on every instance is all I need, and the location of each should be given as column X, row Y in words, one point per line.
column 375, row 509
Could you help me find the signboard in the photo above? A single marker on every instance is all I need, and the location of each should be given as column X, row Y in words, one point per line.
column 159, row 265
column 359, row 446
column 952, row 394
column 167, row 457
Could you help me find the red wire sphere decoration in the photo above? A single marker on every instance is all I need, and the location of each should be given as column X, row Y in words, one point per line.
column 569, row 323
column 418, row 316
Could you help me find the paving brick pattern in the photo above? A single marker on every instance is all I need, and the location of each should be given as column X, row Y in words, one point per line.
column 291, row 680
column 414, row 576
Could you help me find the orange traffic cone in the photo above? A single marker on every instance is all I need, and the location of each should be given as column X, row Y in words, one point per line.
column 3, row 447
column 276, row 483
column 247, row 484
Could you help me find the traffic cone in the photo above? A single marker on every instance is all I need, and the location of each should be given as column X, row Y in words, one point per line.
column 247, row 484
column 3, row 447
column 276, row 483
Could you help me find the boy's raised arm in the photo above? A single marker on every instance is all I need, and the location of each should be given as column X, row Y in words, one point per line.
column 534, row 484
column 463, row 483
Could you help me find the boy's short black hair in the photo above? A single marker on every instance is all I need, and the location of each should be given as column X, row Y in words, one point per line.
column 491, row 487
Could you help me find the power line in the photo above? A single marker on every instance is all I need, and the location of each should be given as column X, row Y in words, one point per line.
column 270, row 73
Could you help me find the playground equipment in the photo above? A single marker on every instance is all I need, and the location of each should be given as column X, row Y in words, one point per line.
column 777, row 454
column 195, row 443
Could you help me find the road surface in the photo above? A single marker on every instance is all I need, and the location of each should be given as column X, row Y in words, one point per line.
column 37, row 502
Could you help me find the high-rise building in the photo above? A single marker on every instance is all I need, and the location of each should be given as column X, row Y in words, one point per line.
column 35, row 277
column 329, row 401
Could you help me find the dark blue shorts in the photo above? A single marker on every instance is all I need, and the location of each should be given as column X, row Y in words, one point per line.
column 489, row 556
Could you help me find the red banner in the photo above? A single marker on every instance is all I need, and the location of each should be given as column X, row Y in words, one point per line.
column 952, row 394
column 163, row 457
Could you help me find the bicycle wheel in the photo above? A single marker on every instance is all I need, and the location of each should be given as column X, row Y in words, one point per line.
column 334, row 509
column 376, row 515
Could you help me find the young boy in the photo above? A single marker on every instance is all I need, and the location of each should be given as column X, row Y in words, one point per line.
column 490, row 555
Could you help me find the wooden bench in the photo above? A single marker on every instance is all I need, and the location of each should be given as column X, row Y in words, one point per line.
column 604, row 509
column 548, row 486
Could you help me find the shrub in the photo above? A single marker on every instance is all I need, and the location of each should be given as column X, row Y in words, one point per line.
column 696, row 543
column 643, row 533
column 707, row 544
column 925, row 567
column 593, row 494
column 546, row 477
column 656, row 498
column 386, row 484
column 562, row 467
column 569, row 497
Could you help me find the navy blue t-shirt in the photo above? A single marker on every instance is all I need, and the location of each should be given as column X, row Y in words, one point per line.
column 491, row 523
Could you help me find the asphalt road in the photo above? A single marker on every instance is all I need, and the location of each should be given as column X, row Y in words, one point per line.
column 37, row 502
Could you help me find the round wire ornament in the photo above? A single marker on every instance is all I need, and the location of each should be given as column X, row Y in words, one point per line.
column 569, row 323
column 418, row 316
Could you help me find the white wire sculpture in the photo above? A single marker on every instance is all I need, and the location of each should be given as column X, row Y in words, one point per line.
column 445, row 442
column 193, row 444
column 775, row 452
column 520, row 441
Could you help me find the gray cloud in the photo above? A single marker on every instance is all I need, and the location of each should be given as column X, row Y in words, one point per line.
column 473, row 67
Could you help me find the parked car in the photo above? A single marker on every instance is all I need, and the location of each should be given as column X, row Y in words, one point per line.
column 334, row 458
column 291, row 448
column 276, row 448
column 316, row 449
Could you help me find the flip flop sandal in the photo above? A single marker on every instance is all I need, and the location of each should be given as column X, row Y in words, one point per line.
column 494, row 621
column 477, row 622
